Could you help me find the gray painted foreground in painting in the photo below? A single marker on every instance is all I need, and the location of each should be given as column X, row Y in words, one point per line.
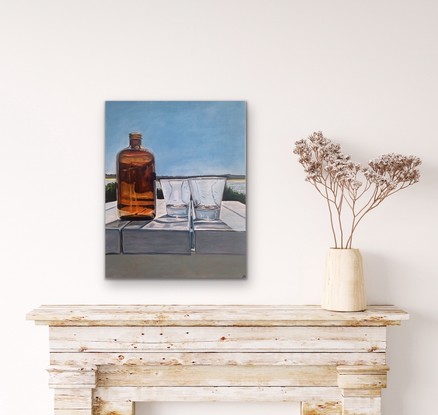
column 175, row 266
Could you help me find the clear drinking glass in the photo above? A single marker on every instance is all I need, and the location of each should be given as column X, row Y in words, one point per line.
column 207, row 195
column 177, row 196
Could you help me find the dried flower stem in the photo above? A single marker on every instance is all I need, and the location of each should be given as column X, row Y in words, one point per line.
column 338, row 180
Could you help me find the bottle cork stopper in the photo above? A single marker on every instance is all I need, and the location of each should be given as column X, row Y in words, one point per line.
column 135, row 136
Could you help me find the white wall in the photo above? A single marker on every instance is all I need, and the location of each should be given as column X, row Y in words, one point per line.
column 363, row 72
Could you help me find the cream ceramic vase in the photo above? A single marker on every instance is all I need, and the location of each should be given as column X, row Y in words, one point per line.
column 344, row 288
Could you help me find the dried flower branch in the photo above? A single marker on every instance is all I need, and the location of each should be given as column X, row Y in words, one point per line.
column 351, row 191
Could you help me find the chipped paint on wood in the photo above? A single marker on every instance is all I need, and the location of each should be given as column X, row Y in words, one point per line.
column 72, row 377
column 219, row 393
column 211, row 315
column 362, row 377
column 114, row 406
column 218, row 358
column 105, row 358
column 361, row 406
column 217, row 339
column 217, row 376
column 321, row 408
column 73, row 398
column 362, row 392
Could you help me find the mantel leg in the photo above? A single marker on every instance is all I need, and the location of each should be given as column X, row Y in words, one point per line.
column 73, row 389
column 361, row 405
column 73, row 401
column 361, row 388
column 113, row 407
column 321, row 408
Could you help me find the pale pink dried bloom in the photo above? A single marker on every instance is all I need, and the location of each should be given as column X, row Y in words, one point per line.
column 342, row 181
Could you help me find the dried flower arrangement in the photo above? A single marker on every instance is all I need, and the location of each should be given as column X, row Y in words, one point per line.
column 346, row 184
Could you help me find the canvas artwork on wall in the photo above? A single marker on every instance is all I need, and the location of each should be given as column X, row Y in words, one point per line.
column 175, row 189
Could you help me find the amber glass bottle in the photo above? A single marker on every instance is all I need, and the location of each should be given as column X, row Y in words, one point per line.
column 136, row 181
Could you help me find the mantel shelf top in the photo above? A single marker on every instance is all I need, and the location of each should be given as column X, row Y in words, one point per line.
column 212, row 315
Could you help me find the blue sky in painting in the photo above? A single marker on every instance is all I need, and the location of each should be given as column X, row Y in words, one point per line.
column 188, row 138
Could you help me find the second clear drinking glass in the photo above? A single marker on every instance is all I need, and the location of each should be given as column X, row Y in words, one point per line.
column 207, row 193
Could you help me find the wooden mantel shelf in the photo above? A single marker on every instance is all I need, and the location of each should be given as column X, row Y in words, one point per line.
column 211, row 315
column 103, row 358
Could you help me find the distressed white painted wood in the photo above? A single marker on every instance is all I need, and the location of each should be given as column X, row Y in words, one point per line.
column 362, row 377
column 211, row 315
column 217, row 376
column 106, row 357
column 213, row 339
column 69, row 411
column 361, row 388
column 321, row 408
column 71, row 377
column 73, row 398
column 113, row 406
column 216, row 358
column 361, row 405
column 219, row 393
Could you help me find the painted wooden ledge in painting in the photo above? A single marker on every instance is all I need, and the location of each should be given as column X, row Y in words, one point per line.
column 104, row 358
column 168, row 247
column 177, row 236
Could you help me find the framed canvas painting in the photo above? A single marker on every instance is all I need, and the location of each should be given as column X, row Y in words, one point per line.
column 175, row 189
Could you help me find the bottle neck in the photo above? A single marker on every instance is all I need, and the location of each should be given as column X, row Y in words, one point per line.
column 135, row 143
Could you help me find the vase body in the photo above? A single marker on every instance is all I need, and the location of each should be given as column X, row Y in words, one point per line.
column 136, row 197
column 344, row 287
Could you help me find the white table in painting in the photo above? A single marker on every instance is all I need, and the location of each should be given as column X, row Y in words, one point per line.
column 185, row 247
